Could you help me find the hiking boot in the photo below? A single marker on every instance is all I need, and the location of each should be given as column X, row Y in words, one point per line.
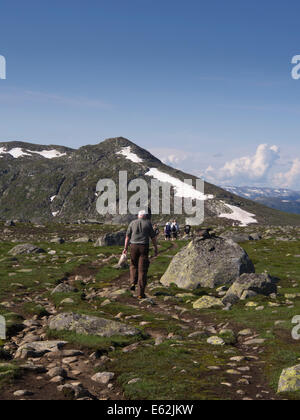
column 132, row 287
column 142, row 297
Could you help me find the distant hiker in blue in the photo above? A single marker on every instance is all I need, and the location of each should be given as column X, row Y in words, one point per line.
column 168, row 231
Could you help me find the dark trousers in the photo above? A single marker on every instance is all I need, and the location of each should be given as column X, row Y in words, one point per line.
column 139, row 255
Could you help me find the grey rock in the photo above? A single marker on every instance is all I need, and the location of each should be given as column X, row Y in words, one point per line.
column 57, row 371
column 103, row 377
column 30, row 367
column 249, row 285
column 38, row 349
column 90, row 325
column 25, row 249
column 74, row 390
column 112, row 239
column 23, row 393
column 236, row 236
column 289, row 380
column 255, row 236
column 57, row 240
column 83, row 240
column 207, row 263
column 63, row 288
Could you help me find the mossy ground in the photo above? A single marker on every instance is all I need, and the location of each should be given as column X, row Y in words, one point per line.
column 172, row 370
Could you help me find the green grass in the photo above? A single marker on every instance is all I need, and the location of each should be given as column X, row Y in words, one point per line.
column 35, row 309
column 8, row 372
column 100, row 344
column 160, row 371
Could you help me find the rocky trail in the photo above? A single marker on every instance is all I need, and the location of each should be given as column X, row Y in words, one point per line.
column 57, row 370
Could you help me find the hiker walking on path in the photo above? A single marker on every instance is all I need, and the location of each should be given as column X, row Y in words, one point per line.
column 175, row 229
column 139, row 233
column 187, row 229
column 168, row 231
column 156, row 229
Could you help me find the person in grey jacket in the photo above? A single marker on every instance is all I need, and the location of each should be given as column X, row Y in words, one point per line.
column 138, row 235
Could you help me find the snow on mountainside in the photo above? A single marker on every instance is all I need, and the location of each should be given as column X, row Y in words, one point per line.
column 184, row 190
column 44, row 183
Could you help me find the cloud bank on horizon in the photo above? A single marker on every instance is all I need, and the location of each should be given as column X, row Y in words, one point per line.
column 266, row 167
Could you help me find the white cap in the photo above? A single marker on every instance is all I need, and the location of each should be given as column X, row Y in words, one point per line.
column 142, row 214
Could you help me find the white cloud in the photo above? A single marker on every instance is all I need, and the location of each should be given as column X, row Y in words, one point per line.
column 254, row 168
column 291, row 178
column 268, row 166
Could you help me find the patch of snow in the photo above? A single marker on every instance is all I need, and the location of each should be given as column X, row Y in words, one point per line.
column 181, row 189
column 240, row 215
column 50, row 154
column 126, row 151
column 285, row 201
column 17, row 152
column 53, row 198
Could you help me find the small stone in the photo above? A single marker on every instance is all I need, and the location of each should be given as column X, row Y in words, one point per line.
column 69, row 360
column 255, row 341
column 233, row 372
column 134, row 381
column 159, row 340
column 238, row 359
column 57, row 371
column 103, row 377
column 216, row 341
column 23, row 393
column 245, row 332
column 57, row 380
column 243, row 381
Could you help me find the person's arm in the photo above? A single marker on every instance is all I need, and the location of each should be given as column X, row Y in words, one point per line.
column 127, row 240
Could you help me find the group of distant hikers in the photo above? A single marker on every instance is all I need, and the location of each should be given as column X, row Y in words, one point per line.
column 138, row 236
column 172, row 230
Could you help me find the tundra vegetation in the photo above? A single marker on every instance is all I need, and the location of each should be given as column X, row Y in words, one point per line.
column 164, row 347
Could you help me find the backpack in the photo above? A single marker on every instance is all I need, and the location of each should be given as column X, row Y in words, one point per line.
column 174, row 229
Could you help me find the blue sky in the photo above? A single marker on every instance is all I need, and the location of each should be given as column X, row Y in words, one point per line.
column 203, row 84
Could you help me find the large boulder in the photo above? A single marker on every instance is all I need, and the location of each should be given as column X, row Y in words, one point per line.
column 90, row 325
column 289, row 380
column 250, row 285
column 112, row 239
column 25, row 249
column 207, row 263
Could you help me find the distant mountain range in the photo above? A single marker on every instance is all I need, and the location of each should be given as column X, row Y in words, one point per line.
column 276, row 198
column 55, row 183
